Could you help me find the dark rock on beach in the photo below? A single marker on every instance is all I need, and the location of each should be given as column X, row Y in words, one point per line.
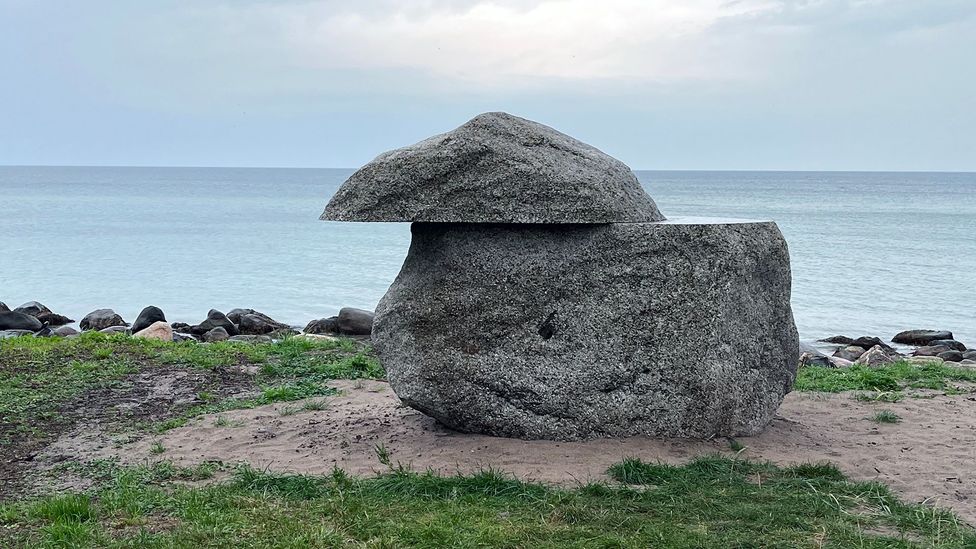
column 235, row 314
column 13, row 320
column 42, row 313
column 950, row 343
column 216, row 334
column 65, row 331
column 839, row 340
column 930, row 350
column 100, row 319
column 352, row 321
column 215, row 319
column 851, row 352
column 149, row 316
column 585, row 331
column 256, row 323
column 920, row 337
column 32, row 308
column 180, row 326
column 808, row 358
column 951, row 356
column 969, row 355
column 323, row 326
column 496, row 168
column 4, row 308
column 866, row 342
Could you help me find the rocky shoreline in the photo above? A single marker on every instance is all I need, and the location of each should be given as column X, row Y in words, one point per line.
column 914, row 346
column 243, row 325
column 919, row 347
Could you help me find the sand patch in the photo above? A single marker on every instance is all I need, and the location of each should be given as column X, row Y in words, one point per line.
column 930, row 456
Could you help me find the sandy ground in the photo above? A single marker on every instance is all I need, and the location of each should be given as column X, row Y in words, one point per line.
column 930, row 456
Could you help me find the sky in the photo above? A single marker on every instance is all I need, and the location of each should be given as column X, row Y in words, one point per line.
column 660, row 84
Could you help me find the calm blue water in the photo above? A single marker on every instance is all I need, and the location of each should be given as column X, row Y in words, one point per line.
column 873, row 253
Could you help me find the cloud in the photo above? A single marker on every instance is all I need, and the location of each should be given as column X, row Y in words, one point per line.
column 501, row 44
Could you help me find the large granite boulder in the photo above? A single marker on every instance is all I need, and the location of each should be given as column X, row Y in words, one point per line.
column 496, row 168
column 578, row 331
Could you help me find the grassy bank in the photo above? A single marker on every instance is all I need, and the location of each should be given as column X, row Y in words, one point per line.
column 125, row 385
column 711, row 502
column 49, row 385
column 890, row 382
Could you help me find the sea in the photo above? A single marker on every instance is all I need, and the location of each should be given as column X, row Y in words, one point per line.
column 872, row 253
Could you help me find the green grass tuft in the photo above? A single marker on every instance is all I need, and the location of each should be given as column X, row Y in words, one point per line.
column 886, row 416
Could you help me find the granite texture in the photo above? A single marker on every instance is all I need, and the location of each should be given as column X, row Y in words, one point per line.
column 580, row 331
column 496, row 168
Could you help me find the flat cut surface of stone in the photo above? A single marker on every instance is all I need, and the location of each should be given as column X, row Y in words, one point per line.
column 575, row 331
column 496, row 168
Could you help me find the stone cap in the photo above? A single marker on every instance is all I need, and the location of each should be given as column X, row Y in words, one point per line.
column 495, row 168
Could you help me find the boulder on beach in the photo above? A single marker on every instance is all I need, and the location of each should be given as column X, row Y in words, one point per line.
column 920, row 337
column 13, row 320
column 875, row 356
column 969, row 355
column 838, row 340
column 216, row 334
column 838, row 362
column 495, row 168
column 4, row 308
column 160, row 330
column 99, row 319
column 352, row 321
column 808, row 358
column 45, row 315
column 32, row 308
column 256, row 323
column 951, row 356
column 235, row 314
column 866, row 342
column 950, row 343
column 323, row 326
column 851, row 352
column 585, row 331
column 65, row 331
column 215, row 319
column 147, row 317
column 930, row 350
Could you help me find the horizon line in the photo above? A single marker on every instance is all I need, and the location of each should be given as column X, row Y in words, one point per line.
column 745, row 170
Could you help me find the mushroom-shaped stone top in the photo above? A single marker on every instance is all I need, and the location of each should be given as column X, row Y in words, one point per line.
column 496, row 168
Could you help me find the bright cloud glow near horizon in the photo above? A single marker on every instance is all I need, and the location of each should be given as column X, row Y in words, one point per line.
column 661, row 84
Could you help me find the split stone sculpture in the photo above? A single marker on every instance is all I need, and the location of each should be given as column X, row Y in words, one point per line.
column 545, row 296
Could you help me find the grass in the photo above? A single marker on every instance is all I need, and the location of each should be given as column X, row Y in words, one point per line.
column 886, row 416
column 884, row 383
column 38, row 375
column 711, row 502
